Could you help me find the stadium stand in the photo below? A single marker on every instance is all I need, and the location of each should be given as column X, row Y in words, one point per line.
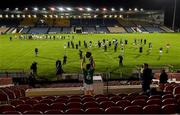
column 3, row 29
column 66, row 30
column 28, row 22
column 62, row 22
column 89, row 30
column 38, row 30
column 116, row 30
column 55, row 30
column 102, row 29
column 25, row 30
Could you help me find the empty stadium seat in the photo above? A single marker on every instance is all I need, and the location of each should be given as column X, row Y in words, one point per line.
column 155, row 97
column 48, row 101
column 153, row 101
column 115, row 98
column 58, row 106
column 94, row 111
column 23, row 107
column 3, row 97
column 167, row 96
column 74, row 111
column 6, row 107
column 32, row 112
column 133, row 109
column 92, row 104
column 123, row 103
column 31, row 101
column 114, row 110
column 168, row 101
column 176, row 90
column 169, row 109
column 12, row 112
column 41, row 107
column 87, row 99
column 17, row 102
column 53, row 112
column 74, row 105
column 152, row 109
column 140, row 102
column 106, row 104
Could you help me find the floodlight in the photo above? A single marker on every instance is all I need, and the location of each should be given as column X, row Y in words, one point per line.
column 135, row 9
column 6, row 16
column 104, row 9
column 115, row 16
column 121, row 9
column 45, row 16
column 89, row 9
column 61, row 9
column 43, row 9
column 23, row 16
column 79, row 16
column 56, row 16
column 97, row 9
column 120, row 16
column 16, row 9
column 52, row 9
column 1, row 16
column 29, row 16
column 69, row 9
column 141, row 9
column 81, row 9
column 62, row 16
column 18, row 16
column 35, row 9
column 26, row 9
column 50, row 16
column 7, row 9
column 110, row 16
column 34, row 16
column 112, row 9
column 130, row 9
column 105, row 16
column 95, row 16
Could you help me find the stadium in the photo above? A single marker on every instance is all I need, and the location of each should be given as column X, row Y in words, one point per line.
column 89, row 57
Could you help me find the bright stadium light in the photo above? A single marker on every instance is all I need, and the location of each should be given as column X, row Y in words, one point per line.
column 16, row 9
column 105, row 16
column 69, row 9
column 104, row 9
column 135, row 9
column 23, row 16
column 95, row 16
column 45, row 16
column 79, row 16
column 44, row 9
column 25, row 9
column 52, row 9
column 34, row 16
column 97, row 9
column 1, row 16
column 29, row 16
column 18, row 16
column 50, row 16
column 112, row 9
column 56, row 16
column 141, row 9
column 7, row 9
column 110, row 16
column 35, row 9
column 80, row 9
column 6, row 16
column 121, row 9
column 61, row 9
column 115, row 16
column 88, row 9
column 130, row 9
column 120, row 16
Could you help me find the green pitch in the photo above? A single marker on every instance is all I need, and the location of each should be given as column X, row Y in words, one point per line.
column 19, row 54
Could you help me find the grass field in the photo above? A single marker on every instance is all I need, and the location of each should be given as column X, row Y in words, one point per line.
column 19, row 54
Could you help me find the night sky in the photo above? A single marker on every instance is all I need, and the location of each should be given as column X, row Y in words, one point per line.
column 166, row 5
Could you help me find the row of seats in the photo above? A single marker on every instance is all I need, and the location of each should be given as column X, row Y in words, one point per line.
column 57, row 109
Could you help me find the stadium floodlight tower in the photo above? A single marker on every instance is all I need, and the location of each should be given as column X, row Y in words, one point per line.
column 174, row 15
column 135, row 9
column 16, row 9
column 80, row 9
column 7, row 9
column 25, row 9
column 52, row 9
column 69, row 9
column 112, row 9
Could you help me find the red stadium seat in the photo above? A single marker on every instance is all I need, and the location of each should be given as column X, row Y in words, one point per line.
column 106, row 104
column 114, row 110
column 177, row 96
column 100, row 96
column 169, row 109
column 145, row 97
column 74, row 100
column 153, row 101
column 111, row 95
column 167, row 96
column 115, row 98
column 176, row 90
column 17, row 102
column 53, row 112
column 31, row 101
column 168, row 101
column 152, row 109
column 74, row 105
column 61, row 100
column 168, row 88
column 6, row 107
column 58, row 106
column 123, row 103
column 23, row 107
column 140, row 102
column 101, row 99
column 74, row 111
column 155, row 97
column 32, row 112
column 90, row 105
column 48, row 101
column 12, row 112
column 86, row 96
column 94, row 111
column 50, row 97
column 87, row 99
column 41, row 107
column 3, row 97
column 9, row 93
column 75, row 96
column 133, row 110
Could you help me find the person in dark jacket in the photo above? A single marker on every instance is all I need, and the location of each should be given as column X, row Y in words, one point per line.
column 163, row 79
column 146, row 78
column 34, row 68
column 59, row 70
